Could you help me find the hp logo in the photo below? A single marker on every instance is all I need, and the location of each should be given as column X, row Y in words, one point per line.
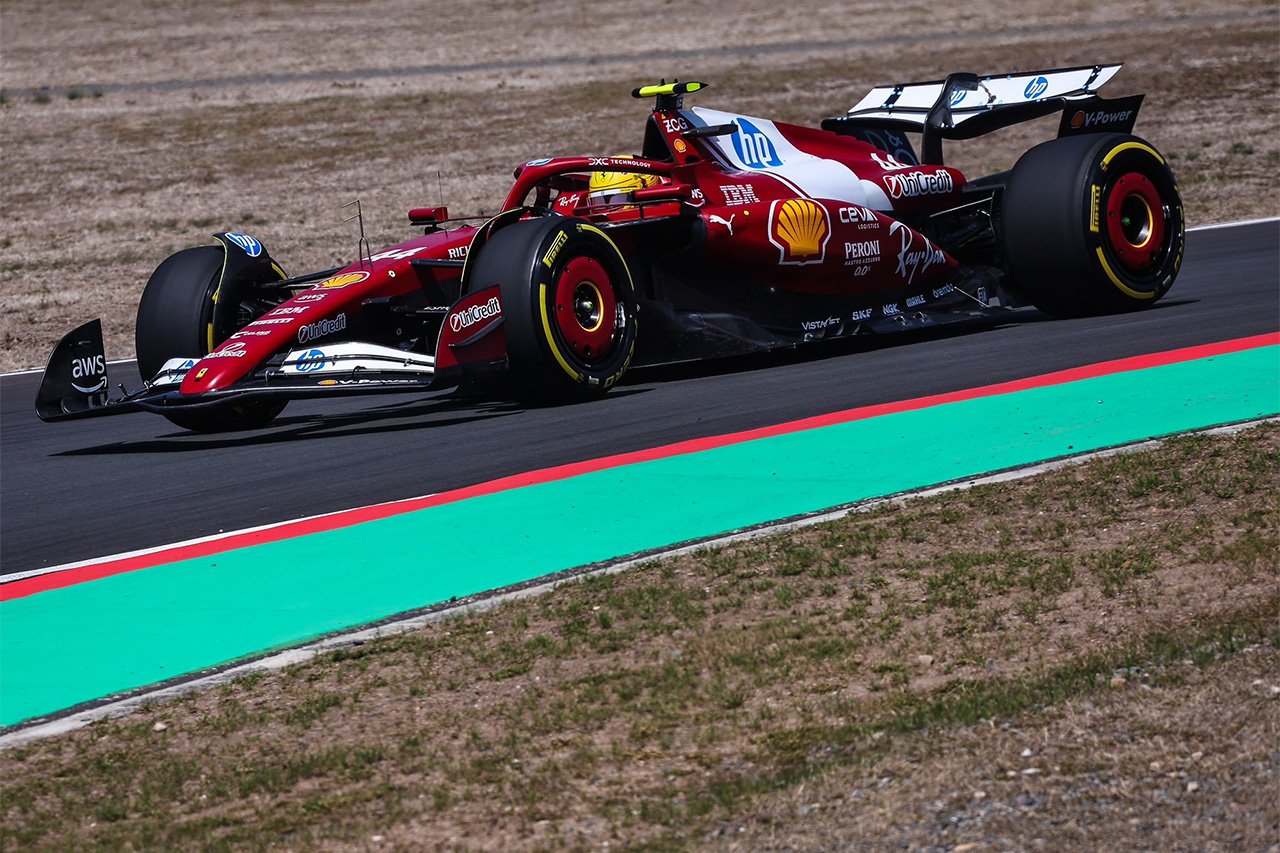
column 1035, row 88
column 251, row 246
column 753, row 147
column 312, row 360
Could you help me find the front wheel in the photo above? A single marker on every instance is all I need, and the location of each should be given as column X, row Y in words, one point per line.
column 186, row 310
column 568, row 306
column 1092, row 224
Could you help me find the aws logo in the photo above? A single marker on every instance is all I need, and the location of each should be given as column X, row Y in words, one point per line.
column 800, row 228
column 753, row 147
column 93, row 367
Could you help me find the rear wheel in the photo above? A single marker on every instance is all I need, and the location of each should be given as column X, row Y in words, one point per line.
column 568, row 306
column 186, row 310
column 1092, row 224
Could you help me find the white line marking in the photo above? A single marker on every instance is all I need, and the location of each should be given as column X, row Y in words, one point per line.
column 141, row 552
column 31, row 370
column 1237, row 224
column 301, row 654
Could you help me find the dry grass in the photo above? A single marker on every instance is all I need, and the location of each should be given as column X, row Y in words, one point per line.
column 855, row 686
column 852, row 685
column 134, row 130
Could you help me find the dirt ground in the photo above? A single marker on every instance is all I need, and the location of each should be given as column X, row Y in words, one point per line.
column 134, row 129
column 1118, row 692
column 1087, row 659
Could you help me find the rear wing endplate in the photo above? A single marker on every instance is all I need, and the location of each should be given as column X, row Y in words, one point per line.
column 965, row 105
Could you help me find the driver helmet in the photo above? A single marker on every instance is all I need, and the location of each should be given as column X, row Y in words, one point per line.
column 606, row 189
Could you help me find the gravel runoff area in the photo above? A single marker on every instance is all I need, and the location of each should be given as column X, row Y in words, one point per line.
column 972, row 698
column 1085, row 659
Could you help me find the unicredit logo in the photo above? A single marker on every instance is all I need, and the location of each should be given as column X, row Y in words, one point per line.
column 919, row 183
column 320, row 328
column 470, row 316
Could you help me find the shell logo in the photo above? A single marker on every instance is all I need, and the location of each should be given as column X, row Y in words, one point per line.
column 342, row 280
column 1077, row 120
column 800, row 228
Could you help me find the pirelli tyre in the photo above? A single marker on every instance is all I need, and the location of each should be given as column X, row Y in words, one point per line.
column 1092, row 224
column 568, row 305
column 188, row 307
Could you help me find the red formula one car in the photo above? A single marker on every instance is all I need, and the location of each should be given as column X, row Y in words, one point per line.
column 726, row 234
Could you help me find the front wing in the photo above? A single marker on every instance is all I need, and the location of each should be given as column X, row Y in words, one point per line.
column 75, row 384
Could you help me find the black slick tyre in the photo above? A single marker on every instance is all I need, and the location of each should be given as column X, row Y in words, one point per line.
column 568, row 305
column 1092, row 224
column 179, row 316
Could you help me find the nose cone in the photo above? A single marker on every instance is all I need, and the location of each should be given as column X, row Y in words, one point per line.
column 220, row 368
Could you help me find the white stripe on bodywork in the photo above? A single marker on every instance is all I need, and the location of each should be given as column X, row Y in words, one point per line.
column 812, row 176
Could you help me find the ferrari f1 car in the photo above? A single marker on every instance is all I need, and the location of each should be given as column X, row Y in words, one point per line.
column 728, row 233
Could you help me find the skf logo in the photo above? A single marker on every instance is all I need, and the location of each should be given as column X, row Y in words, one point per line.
column 800, row 228
column 342, row 280
column 1035, row 88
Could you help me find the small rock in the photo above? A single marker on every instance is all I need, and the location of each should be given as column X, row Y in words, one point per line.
column 965, row 848
column 1273, row 692
column 159, row 727
column 925, row 660
column 1119, row 681
column 979, row 795
column 1192, row 787
column 376, row 839
column 1155, row 766
column 1031, row 771
column 1027, row 753
column 1197, row 755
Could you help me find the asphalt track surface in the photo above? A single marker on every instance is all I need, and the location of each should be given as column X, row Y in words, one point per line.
column 75, row 491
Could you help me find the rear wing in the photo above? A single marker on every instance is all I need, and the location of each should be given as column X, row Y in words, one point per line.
column 965, row 105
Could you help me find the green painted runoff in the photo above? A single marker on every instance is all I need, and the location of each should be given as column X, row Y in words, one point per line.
column 66, row 646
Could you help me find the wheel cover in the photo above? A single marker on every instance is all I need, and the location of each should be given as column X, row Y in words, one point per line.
column 1136, row 222
column 586, row 309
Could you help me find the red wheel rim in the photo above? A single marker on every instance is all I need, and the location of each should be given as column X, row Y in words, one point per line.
column 1135, row 222
column 586, row 310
